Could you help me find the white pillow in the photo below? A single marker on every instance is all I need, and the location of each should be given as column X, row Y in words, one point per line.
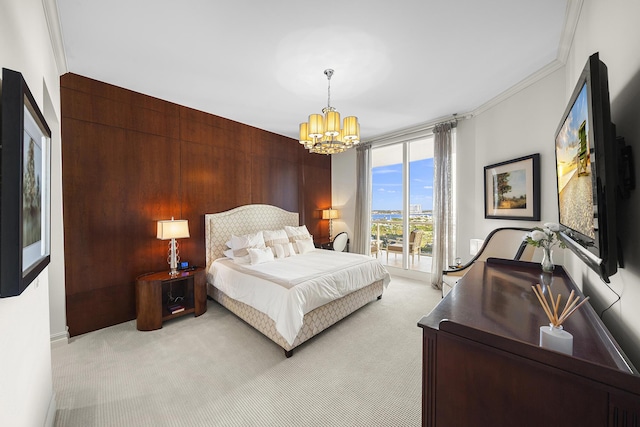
column 288, row 249
column 228, row 253
column 283, row 250
column 260, row 255
column 305, row 245
column 278, row 249
column 297, row 233
column 274, row 237
column 240, row 244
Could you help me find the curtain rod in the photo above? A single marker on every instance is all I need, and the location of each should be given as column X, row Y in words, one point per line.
column 415, row 132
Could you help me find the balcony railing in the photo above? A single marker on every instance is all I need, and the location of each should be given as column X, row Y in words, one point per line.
column 390, row 231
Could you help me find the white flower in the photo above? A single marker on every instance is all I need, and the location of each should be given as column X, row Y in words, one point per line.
column 552, row 226
column 538, row 235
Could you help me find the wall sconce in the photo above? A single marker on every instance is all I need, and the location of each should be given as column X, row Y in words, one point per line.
column 330, row 214
column 173, row 229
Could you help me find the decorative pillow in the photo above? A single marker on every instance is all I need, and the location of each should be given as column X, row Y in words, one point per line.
column 283, row 250
column 228, row 253
column 278, row 250
column 297, row 233
column 240, row 244
column 260, row 255
column 275, row 237
column 305, row 245
column 288, row 249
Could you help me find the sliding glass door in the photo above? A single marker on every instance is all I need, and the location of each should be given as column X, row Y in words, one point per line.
column 402, row 203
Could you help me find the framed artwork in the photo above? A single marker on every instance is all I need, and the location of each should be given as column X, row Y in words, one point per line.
column 25, row 175
column 512, row 189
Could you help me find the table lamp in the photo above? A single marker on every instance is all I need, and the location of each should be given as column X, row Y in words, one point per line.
column 171, row 230
column 330, row 214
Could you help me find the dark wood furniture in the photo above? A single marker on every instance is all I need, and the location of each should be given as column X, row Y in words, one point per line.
column 482, row 364
column 152, row 296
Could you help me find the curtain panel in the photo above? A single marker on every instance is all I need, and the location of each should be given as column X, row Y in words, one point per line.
column 362, row 225
column 443, row 216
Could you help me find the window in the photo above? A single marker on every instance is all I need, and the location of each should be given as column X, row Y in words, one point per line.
column 402, row 203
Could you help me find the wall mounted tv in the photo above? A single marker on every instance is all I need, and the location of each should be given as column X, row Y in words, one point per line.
column 588, row 160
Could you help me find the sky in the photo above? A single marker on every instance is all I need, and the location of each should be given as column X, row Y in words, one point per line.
column 387, row 185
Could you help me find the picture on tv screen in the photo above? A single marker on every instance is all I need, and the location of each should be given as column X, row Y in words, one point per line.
column 574, row 162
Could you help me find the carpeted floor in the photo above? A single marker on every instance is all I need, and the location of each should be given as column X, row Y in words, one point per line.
column 215, row 370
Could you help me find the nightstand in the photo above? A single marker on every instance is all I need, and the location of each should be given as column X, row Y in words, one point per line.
column 324, row 245
column 153, row 292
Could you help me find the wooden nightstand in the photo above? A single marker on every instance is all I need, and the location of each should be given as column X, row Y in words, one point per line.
column 152, row 296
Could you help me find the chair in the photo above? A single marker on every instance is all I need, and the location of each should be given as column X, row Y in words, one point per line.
column 415, row 243
column 375, row 247
column 340, row 242
column 506, row 242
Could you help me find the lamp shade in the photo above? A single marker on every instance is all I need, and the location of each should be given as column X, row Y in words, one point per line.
column 173, row 229
column 329, row 214
column 332, row 123
column 350, row 128
column 316, row 126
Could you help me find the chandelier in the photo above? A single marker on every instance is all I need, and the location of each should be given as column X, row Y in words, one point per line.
column 323, row 135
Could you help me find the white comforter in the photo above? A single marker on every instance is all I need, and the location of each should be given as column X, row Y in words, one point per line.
column 286, row 289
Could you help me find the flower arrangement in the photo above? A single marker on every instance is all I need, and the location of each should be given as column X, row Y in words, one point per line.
column 546, row 237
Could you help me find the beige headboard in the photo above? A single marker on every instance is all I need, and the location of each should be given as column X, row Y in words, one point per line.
column 219, row 227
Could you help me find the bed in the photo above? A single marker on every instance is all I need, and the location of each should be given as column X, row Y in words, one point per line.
column 285, row 307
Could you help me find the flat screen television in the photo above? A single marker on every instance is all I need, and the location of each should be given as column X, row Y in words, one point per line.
column 587, row 172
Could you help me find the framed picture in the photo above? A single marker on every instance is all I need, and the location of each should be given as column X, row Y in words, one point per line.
column 25, row 216
column 512, row 189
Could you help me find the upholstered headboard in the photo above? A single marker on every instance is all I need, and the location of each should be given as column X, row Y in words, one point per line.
column 219, row 227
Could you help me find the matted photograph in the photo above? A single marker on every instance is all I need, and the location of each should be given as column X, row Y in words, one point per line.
column 25, row 217
column 511, row 189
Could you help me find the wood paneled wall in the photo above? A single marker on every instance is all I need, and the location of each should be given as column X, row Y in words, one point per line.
column 129, row 160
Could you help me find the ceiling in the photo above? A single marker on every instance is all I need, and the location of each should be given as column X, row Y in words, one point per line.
column 397, row 64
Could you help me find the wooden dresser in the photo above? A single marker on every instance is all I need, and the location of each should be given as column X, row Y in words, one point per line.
column 482, row 365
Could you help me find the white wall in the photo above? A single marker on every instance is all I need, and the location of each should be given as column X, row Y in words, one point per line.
column 522, row 124
column 26, row 390
column 611, row 28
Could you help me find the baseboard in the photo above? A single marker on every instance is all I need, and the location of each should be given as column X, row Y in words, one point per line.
column 51, row 411
column 60, row 339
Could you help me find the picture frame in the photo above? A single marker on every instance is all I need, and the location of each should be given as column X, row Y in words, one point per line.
column 25, row 192
column 512, row 189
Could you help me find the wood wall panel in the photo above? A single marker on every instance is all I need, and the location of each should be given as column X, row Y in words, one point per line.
column 130, row 160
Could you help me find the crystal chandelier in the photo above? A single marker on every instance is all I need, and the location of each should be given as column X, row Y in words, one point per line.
column 323, row 135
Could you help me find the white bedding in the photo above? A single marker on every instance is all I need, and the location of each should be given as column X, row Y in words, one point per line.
column 286, row 289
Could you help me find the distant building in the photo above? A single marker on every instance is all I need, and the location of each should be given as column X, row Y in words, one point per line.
column 415, row 209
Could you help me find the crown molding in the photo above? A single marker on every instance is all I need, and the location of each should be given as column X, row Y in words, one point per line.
column 572, row 15
column 528, row 81
column 574, row 8
column 55, row 34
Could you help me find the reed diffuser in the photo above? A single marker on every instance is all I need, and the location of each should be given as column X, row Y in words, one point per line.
column 554, row 336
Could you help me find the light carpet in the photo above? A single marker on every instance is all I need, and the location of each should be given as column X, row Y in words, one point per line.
column 215, row 370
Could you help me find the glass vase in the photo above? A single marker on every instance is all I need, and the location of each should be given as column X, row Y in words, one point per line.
column 547, row 260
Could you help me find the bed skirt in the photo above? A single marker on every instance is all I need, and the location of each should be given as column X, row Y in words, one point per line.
column 314, row 322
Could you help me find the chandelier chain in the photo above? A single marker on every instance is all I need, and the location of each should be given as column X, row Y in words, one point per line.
column 328, row 73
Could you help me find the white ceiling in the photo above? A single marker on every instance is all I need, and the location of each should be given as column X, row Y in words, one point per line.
column 397, row 64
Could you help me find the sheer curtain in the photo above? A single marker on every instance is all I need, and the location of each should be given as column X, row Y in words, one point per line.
column 362, row 225
column 443, row 215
